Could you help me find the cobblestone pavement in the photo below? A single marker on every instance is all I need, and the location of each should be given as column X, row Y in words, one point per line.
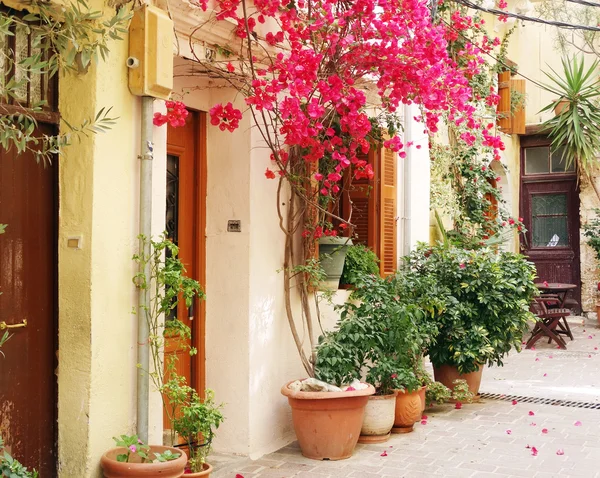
column 490, row 438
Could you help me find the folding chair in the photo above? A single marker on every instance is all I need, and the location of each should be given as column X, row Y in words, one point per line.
column 549, row 323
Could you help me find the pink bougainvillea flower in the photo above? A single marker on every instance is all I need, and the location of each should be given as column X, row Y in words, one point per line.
column 394, row 375
column 508, row 432
column 550, row 356
column 590, row 337
column 350, row 389
column 577, row 423
column 269, row 174
column 384, row 453
column 560, row 451
column 544, row 431
column 462, row 266
column 458, row 405
column 423, row 422
column 534, row 451
column 545, row 375
column 424, row 417
column 533, row 424
column 230, row 67
column 239, row 476
column 514, row 402
column 531, row 414
column 537, row 359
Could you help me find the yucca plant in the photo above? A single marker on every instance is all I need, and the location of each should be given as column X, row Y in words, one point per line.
column 576, row 127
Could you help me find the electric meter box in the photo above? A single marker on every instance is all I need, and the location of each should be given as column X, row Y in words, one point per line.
column 150, row 59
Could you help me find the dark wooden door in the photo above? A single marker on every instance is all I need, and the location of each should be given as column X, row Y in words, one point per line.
column 28, row 296
column 550, row 211
column 185, row 225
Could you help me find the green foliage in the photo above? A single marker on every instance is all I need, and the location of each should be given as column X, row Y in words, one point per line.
column 360, row 260
column 135, row 446
column 3, row 228
column 461, row 392
column 486, row 303
column 384, row 330
column 576, row 127
column 591, row 230
column 437, row 393
column 196, row 422
column 11, row 468
column 64, row 38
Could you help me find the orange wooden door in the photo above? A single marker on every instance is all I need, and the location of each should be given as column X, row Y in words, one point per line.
column 185, row 225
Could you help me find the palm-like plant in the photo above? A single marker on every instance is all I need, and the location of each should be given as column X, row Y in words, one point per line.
column 576, row 127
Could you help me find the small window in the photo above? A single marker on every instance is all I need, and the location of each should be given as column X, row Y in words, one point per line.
column 540, row 160
column 549, row 220
column 537, row 160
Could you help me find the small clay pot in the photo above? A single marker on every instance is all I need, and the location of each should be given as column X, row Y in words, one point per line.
column 379, row 419
column 408, row 411
column 447, row 374
column 205, row 473
column 135, row 468
column 562, row 105
column 327, row 424
column 422, row 395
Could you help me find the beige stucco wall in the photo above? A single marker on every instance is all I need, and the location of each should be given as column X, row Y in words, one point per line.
column 98, row 203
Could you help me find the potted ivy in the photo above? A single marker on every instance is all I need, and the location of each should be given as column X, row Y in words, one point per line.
column 360, row 260
column 487, row 298
column 195, row 422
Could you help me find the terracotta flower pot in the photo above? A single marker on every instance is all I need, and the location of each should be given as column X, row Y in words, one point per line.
column 205, row 473
column 379, row 419
column 408, row 411
column 447, row 374
column 135, row 468
column 422, row 395
column 563, row 105
column 327, row 424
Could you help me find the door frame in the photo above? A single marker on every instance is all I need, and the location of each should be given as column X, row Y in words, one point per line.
column 570, row 178
column 198, row 361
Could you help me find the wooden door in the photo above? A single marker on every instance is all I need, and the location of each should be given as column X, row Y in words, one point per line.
column 28, row 289
column 550, row 209
column 185, row 225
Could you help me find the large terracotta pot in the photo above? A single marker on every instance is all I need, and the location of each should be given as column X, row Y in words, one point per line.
column 408, row 411
column 135, row 468
column 379, row 419
column 422, row 395
column 327, row 424
column 205, row 473
column 447, row 374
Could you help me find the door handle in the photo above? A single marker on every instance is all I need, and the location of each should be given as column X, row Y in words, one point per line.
column 4, row 325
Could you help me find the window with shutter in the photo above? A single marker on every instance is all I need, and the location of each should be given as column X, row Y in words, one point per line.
column 503, row 111
column 387, row 216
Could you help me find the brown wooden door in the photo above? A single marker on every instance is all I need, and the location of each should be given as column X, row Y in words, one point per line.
column 28, row 293
column 550, row 211
column 185, row 225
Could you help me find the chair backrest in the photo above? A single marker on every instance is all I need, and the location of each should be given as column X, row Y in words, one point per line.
column 538, row 307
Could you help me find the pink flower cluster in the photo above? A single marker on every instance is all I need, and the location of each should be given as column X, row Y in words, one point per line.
column 225, row 117
column 176, row 115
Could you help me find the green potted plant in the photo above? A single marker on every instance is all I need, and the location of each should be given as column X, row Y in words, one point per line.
column 360, row 260
column 487, row 297
column 195, row 422
column 437, row 393
column 133, row 458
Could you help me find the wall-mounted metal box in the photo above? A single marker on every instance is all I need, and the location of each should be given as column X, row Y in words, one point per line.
column 150, row 59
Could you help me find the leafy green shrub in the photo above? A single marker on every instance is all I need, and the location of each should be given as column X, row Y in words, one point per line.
column 381, row 331
column 360, row 260
column 437, row 393
column 461, row 392
column 591, row 230
column 487, row 297
column 12, row 468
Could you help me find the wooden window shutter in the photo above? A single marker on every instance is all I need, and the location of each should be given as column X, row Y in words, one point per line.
column 359, row 206
column 387, row 199
column 503, row 110
column 518, row 116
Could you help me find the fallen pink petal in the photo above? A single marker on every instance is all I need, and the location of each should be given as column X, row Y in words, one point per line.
column 458, row 405
column 560, row 451
column 424, row 417
column 514, row 402
column 544, row 431
column 423, row 422
column 537, row 359
column 534, row 451
column 384, row 453
column 577, row 423
column 533, row 424
column 531, row 414
column 508, row 432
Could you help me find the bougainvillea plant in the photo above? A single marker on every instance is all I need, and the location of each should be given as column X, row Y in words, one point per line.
column 323, row 81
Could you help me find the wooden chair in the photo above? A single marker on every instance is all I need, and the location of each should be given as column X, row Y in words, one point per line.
column 553, row 304
column 550, row 322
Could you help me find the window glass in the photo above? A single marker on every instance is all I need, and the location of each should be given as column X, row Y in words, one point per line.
column 558, row 162
column 549, row 227
column 537, row 160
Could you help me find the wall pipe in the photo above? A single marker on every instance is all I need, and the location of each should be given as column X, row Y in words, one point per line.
column 145, row 226
column 406, row 180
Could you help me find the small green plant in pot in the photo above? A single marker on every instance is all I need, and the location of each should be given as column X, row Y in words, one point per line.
column 196, row 422
column 487, row 297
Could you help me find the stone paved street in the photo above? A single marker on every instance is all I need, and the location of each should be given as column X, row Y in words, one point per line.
column 490, row 438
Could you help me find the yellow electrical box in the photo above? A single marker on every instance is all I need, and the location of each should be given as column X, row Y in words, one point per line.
column 150, row 59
